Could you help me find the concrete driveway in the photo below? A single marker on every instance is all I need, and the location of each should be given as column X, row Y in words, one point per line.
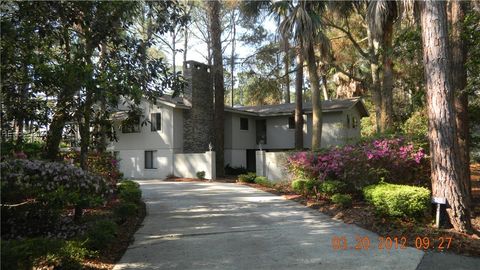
column 228, row 226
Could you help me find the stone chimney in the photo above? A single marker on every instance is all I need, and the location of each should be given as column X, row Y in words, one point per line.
column 198, row 127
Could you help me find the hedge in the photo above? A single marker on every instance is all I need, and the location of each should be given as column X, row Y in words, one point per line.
column 398, row 200
column 263, row 181
column 247, row 178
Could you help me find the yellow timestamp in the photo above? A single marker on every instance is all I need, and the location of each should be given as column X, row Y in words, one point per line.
column 391, row 243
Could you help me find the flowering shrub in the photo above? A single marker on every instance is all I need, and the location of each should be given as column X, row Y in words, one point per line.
column 103, row 164
column 36, row 192
column 393, row 160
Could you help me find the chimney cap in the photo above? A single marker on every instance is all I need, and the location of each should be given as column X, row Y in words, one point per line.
column 197, row 65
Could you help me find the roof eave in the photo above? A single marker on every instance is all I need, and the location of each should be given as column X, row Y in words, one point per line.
column 363, row 109
column 173, row 105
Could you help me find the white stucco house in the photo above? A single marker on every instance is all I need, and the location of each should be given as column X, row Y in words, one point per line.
column 185, row 125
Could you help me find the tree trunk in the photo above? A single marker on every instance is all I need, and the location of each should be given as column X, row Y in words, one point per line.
column 386, row 120
column 174, row 52
column 286, row 61
column 20, row 123
column 185, row 43
column 316, row 102
column 459, row 82
column 375, row 73
column 324, row 84
column 85, row 129
column 84, row 121
column 232, row 63
column 299, row 101
column 445, row 157
column 55, row 130
column 216, row 32
column 54, row 136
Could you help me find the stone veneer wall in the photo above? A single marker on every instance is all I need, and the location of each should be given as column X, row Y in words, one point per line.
column 198, row 121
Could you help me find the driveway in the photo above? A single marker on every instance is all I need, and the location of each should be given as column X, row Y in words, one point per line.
column 196, row 225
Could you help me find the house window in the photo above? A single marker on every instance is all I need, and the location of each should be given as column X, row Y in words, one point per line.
column 348, row 121
column 291, row 122
column 354, row 122
column 150, row 159
column 243, row 123
column 156, row 121
column 131, row 126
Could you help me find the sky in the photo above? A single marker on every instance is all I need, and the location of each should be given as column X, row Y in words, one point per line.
column 197, row 47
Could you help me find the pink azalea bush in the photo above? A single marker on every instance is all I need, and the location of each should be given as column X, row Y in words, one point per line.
column 393, row 160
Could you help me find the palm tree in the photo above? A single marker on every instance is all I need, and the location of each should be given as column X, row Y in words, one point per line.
column 299, row 100
column 282, row 9
column 381, row 15
column 305, row 24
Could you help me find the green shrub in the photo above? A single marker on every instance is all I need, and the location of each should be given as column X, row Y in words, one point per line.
column 31, row 150
column 129, row 191
column 312, row 185
column 247, row 178
column 128, row 184
column 417, row 124
column 201, row 175
column 299, row 186
column 398, row 200
column 262, row 180
column 125, row 210
column 331, row 187
column 43, row 253
column 344, row 200
column 101, row 234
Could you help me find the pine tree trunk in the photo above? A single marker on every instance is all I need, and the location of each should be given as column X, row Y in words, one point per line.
column 444, row 151
column 299, row 101
column 232, row 62
column 316, row 102
column 216, row 32
column 459, row 82
column 286, row 61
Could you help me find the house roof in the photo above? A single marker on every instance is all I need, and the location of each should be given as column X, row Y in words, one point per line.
column 335, row 105
column 175, row 102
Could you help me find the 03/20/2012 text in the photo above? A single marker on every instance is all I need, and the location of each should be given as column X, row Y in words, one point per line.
column 390, row 242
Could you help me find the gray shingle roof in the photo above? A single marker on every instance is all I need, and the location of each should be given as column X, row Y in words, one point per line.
column 327, row 106
column 334, row 105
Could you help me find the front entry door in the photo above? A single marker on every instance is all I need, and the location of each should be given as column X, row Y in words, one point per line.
column 251, row 160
